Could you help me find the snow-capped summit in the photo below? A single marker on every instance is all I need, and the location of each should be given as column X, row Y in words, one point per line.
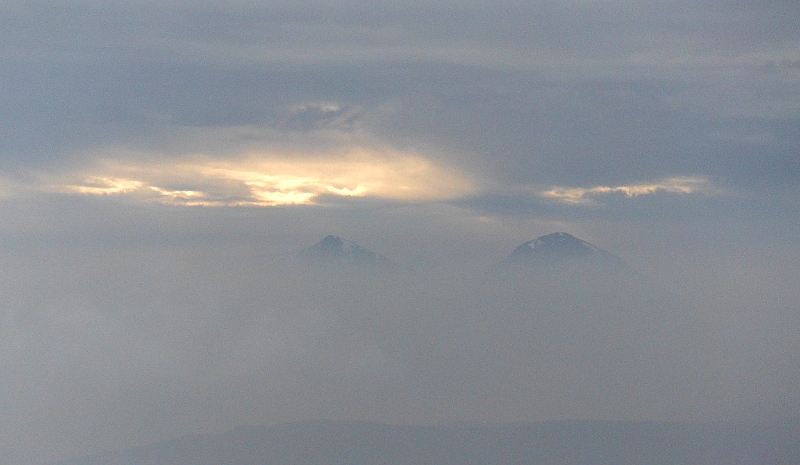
column 557, row 265
column 556, row 247
column 335, row 250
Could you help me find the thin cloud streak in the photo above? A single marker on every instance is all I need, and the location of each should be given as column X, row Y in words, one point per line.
column 587, row 195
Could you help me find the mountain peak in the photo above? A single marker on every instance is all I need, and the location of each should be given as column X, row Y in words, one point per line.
column 336, row 250
column 556, row 247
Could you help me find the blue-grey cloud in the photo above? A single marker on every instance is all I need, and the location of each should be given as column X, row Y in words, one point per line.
column 88, row 69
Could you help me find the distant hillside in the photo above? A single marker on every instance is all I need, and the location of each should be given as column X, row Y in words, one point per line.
column 556, row 443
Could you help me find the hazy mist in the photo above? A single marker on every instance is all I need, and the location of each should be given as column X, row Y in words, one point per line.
column 122, row 343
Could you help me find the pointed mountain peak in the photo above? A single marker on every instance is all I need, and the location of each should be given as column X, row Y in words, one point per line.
column 556, row 247
column 335, row 250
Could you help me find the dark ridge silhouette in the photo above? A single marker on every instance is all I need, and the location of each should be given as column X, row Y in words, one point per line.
column 562, row 443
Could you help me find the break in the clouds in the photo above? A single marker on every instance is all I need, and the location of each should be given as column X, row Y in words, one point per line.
column 285, row 177
column 590, row 195
column 322, row 154
column 269, row 179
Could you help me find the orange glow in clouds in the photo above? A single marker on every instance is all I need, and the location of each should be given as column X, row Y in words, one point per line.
column 269, row 180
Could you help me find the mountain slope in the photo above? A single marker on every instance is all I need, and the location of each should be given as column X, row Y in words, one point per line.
column 333, row 250
column 557, row 247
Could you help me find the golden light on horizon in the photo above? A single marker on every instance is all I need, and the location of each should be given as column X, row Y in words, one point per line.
column 99, row 185
column 265, row 179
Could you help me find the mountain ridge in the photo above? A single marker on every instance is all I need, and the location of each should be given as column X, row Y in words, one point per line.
column 327, row 442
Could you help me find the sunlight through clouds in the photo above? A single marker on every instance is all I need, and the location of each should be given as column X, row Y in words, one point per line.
column 587, row 195
column 260, row 179
column 98, row 185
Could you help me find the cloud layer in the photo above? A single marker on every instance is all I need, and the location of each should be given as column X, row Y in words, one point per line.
column 587, row 196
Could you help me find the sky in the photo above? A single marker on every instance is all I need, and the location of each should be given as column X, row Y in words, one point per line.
column 163, row 163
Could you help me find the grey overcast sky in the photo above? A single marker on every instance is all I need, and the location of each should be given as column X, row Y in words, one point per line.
column 162, row 163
